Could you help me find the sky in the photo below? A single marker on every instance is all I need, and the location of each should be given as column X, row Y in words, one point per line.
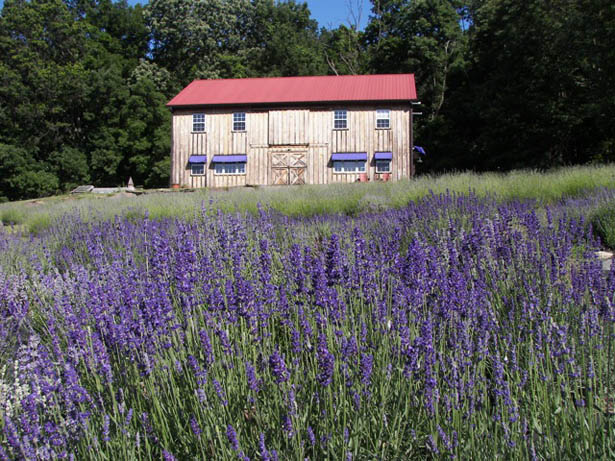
column 328, row 13
column 332, row 13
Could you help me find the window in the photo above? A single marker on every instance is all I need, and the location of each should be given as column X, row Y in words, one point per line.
column 340, row 119
column 197, row 169
column 230, row 168
column 349, row 166
column 239, row 121
column 383, row 118
column 383, row 166
column 198, row 122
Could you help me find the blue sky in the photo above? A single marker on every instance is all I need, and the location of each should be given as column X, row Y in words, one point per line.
column 328, row 13
column 332, row 13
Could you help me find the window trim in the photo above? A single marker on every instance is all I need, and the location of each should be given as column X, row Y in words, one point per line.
column 388, row 162
column 195, row 122
column 345, row 119
column 218, row 173
column 387, row 118
column 244, row 121
column 356, row 162
column 192, row 173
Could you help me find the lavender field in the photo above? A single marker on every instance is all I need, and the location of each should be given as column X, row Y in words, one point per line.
column 455, row 327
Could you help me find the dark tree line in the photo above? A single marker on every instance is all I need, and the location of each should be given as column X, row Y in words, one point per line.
column 504, row 83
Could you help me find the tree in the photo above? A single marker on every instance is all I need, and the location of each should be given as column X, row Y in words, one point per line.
column 285, row 40
column 147, row 143
column 22, row 176
column 423, row 37
column 528, row 84
column 344, row 52
column 190, row 36
column 41, row 52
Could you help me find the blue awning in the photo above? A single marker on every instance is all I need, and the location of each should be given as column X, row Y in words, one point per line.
column 230, row 159
column 197, row 159
column 420, row 150
column 349, row 156
column 383, row 155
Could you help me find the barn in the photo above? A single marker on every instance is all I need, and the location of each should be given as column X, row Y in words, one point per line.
column 293, row 130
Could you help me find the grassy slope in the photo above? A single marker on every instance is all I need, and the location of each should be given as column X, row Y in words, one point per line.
column 310, row 200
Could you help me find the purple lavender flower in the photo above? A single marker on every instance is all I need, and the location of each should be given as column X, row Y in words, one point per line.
column 207, row 347
column 167, row 456
column 333, row 265
column 326, row 362
column 231, row 435
column 278, row 367
column 265, row 455
column 367, row 364
column 220, row 392
column 106, row 421
column 287, row 425
column 311, row 436
column 194, row 425
column 128, row 417
column 253, row 381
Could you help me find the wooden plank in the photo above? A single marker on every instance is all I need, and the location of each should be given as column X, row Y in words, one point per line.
column 280, row 176
column 297, row 176
column 297, row 160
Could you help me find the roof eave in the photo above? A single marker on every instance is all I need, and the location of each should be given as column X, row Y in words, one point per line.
column 291, row 103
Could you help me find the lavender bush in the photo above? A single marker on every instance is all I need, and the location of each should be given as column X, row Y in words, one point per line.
column 455, row 327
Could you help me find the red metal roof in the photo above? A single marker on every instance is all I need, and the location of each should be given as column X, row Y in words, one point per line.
column 275, row 90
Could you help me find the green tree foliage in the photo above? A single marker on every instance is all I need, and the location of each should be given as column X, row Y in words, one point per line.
column 593, row 28
column 41, row 58
column 285, row 40
column 148, row 138
column 73, row 75
column 421, row 36
column 191, row 37
column 22, row 176
column 525, row 82
column 427, row 38
column 540, row 81
column 344, row 51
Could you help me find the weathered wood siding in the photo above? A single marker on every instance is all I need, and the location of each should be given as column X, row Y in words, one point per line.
column 288, row 127
column 305, row 132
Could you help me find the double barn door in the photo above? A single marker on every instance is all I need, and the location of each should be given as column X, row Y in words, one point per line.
column 288, row 168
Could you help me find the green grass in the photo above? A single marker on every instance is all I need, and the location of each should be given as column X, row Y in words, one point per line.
column 309, row 200
column 11, row 216
column 603, row 223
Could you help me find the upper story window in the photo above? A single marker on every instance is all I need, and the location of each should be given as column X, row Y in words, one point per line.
column 239, row 121
column 198, row 122
column 383, row 118
column 340, row 119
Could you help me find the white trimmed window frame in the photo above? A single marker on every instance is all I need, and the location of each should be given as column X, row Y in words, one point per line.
column 198, row 123
column 349, row 166
column 197, row 167
column 383, row 166
column 239, row 121
column 383, row 119
column 340, row 119
column 230, row 168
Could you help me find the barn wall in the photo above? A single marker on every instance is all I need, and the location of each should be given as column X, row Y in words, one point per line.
column 305, row 130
